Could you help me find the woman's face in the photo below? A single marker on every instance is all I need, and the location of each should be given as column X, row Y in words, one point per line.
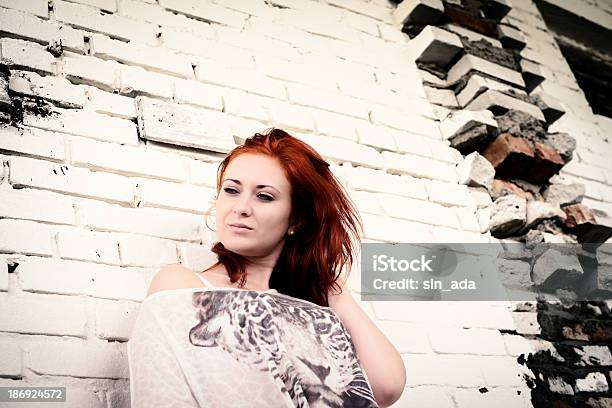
column 254, row 192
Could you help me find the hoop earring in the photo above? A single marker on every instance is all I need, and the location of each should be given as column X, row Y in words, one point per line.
column 207, row 213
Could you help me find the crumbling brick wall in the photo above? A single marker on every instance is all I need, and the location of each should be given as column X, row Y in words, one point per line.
column 115, row 114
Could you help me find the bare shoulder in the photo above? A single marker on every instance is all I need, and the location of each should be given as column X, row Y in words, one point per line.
column 172, row 276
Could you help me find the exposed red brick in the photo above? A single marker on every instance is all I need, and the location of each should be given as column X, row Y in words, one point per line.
column 499, row 186
column 465, row 19
column 510, row 155
column 546, row 164
column 578, row 214
column 582, row 222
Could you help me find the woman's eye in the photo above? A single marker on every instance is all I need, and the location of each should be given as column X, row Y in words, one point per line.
column 264, row 197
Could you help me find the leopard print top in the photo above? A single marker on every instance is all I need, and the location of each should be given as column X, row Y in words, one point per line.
column 224, row 347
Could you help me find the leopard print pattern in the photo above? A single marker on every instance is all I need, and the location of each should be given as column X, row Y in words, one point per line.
column 304, row 346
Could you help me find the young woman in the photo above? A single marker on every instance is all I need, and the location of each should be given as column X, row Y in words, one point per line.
column 272, row 323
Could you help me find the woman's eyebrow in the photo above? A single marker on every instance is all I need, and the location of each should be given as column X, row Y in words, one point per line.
column 258, row 186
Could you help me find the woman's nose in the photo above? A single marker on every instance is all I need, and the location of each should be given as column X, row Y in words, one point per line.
column 243, row 206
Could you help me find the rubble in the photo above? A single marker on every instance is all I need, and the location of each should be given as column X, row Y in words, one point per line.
column 508, row 215
column 475, row 171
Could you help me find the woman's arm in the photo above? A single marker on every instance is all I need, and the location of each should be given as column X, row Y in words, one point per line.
column 381, row 361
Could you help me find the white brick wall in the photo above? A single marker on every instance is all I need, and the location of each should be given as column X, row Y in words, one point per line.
column 85, row 202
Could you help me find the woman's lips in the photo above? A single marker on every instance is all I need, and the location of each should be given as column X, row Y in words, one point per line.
column 240, row 230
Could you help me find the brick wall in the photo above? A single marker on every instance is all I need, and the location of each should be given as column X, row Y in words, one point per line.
column 116, row 113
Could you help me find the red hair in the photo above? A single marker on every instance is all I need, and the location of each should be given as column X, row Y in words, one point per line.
column 328, row 224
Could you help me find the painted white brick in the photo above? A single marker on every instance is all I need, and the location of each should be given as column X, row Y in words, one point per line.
column 480, row 196
column 251, row 7
column 343, row 150
column 442, row 370
column 468, row 220
column 501, row 371
column 366, row 202
column 389, row 229
column 409, row 142
column 87, row 70
column 242, row 128
column 471, row 62
column 375, row 11
column 492, row 98
column 183, row 125
column 417, row 210
column 377, row 95
column 38, row 7
column 197, row 93
column 239, row 103
column 406, row 121
column 175, row 196
column 290, row 116
column 441, row 150
column 86, row 123
column 289, row 34
column 500, row 396
column 434, row 45
column 361, row 178
column 318, row 19
column 447, row 340
column 108, row 5
column 84, row 245
column 169, row 224
column 584, row 170
column 302, row 72
column 137, row 79
column 408, row 81
column 4, row 276
column 10, row 359
column 21, row 53
column 197, row 257
column 27, row 26
column 26, row 237
column 206, row 11
column 444, row 234
column 202, row 173
column 56, row 89
column 449, row 194
column 111, row 103
column 152, row 58
column 426, row 396
column 137, row 250
column 330, row 101
column 390, row 33
column 360, row 22
column 32, row 141
column 255, row 43
column 115, row 320
column 78, row 358
column 53, row 275
column 27, row 204
column 69, row 179
column 127, row 160
column 419, row 167
column 43, row 314
column 336, row 125
column 396, row 333
column 207, row 48
column 376, row 136
column 154, row 13
column 460, row 120
column 117, row 26
column 244, row 79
